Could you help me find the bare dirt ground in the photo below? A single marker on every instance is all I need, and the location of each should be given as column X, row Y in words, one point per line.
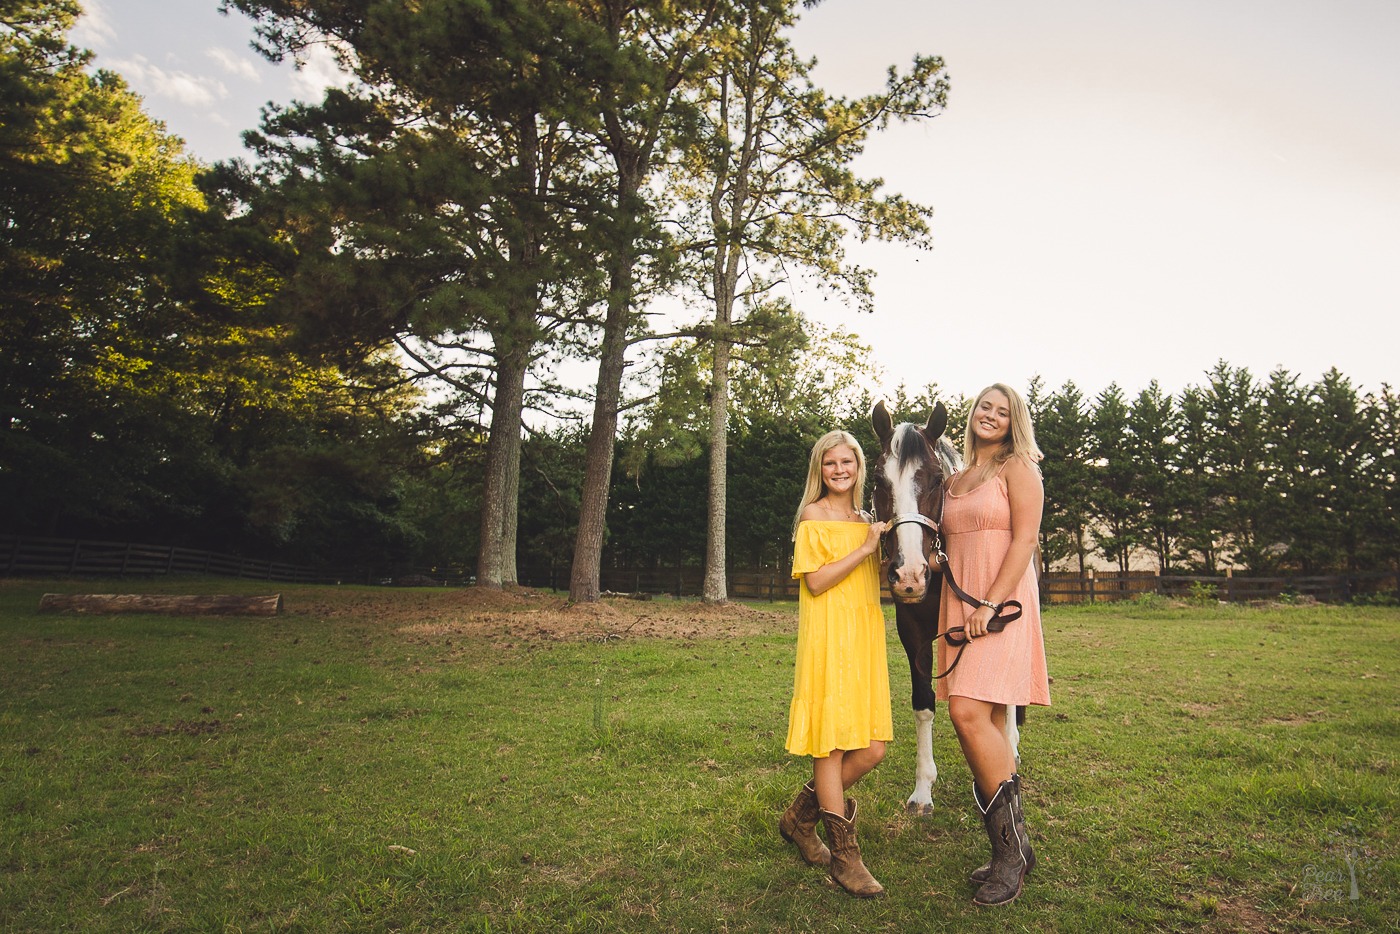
column 525, row 615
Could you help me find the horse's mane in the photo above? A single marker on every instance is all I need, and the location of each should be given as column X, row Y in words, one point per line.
column 948, row 457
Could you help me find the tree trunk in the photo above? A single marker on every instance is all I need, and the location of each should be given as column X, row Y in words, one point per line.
column 510, row 518
column 716, row 585
column 725, row 280
column 494, row 565
column 585, row 577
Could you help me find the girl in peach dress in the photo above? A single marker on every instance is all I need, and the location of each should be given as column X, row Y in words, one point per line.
column 840, row 710
column 991, row 527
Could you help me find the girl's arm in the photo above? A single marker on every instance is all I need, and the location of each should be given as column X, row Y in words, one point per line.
column 829, row 575
column 1027, row 495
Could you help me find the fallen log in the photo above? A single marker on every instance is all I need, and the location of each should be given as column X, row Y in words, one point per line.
column 180, row 605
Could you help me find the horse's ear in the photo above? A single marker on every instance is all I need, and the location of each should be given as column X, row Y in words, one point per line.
column 937, row 423
column 882, row 423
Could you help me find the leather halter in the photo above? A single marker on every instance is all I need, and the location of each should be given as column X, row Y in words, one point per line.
column 917, row 518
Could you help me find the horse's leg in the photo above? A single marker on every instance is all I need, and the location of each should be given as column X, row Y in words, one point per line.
column 1013, row 732
column 916, row 635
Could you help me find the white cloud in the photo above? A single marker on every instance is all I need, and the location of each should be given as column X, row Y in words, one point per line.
column 317, row 72
column 234, row 65
column 93, row 28
column 180, row 86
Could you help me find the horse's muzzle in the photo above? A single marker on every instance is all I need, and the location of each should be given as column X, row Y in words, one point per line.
column 910, row 583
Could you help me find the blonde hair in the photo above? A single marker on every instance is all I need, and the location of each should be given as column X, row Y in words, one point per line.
column 816, row 489
column 1020, row 440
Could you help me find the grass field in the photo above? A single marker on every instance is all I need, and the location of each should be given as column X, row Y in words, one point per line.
column 378, row 760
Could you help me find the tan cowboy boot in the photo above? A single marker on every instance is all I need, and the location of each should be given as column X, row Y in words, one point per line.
column 798, row 825
column 982, row 873
column 847, row 868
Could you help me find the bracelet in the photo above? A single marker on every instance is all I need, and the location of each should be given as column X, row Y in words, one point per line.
column 994, row 607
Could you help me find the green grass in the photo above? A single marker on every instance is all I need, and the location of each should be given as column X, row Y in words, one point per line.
column 1203, row 769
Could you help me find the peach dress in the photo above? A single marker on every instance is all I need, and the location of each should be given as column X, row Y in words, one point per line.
column 841, row 686
column 1006, row 667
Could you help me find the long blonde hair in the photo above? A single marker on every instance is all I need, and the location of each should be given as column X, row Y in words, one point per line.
column 1020, row 440
column 816, row 489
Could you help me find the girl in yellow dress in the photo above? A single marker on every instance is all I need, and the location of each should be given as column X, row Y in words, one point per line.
column 840, row 712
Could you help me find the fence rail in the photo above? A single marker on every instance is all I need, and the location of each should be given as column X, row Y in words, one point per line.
column 20, row 557
column 1105, row 586
column 43, row 556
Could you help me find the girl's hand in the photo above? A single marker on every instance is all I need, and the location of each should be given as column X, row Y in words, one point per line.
column 977, row 621
column 872, row 537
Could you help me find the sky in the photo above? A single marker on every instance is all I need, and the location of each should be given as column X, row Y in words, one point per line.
column 1122, row 191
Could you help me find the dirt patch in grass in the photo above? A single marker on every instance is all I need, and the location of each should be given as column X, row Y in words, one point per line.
column 1294, row 719
column 526, row 615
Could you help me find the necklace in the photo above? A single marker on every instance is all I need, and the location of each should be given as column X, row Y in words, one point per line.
column 846, row 515
column 976, row 475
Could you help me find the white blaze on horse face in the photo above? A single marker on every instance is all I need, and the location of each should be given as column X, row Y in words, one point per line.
column 905, row 491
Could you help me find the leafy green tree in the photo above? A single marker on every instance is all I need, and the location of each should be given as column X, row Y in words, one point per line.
column 1332, row 493
column 642, row 120
column 768, row 186
column 1151, row 446
column 1379, row 524
column 1295, row 477
column 1063, row 430
column 1116, row 512
column 143, row 393
column 551, row 479
column 443, row 202
column 92, row 193
column 1237, row 460
column 1203, row 515
column 798, row 383
column 767, row 473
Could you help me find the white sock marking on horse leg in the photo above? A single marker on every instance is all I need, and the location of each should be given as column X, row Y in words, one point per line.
column 1013, row 734
column 925, row 771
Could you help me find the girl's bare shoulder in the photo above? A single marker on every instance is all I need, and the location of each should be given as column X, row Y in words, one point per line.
column 1022, row 469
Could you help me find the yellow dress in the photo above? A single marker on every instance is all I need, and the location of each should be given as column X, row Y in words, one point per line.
column 841, row 688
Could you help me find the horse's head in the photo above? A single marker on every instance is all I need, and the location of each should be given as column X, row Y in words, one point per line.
column 909, row 478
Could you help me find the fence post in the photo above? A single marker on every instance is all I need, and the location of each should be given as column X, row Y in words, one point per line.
column 1090, row 578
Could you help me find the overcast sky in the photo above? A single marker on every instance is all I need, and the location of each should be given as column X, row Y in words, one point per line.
column 1123, row 191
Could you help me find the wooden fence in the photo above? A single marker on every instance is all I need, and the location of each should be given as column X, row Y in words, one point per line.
column 80, row 557
column 1104, row 586
column 743, row 584
column 39, row 557
column 1055, row 587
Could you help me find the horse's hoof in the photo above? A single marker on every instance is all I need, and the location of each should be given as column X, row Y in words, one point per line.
column 918, row 810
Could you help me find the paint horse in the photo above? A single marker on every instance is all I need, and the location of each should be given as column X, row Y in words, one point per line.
column 915, row 462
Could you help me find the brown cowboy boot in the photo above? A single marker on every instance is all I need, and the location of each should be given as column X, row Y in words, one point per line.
column 1008, row 866
column 847, row 868
column 982, row 873
column 798, row 825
